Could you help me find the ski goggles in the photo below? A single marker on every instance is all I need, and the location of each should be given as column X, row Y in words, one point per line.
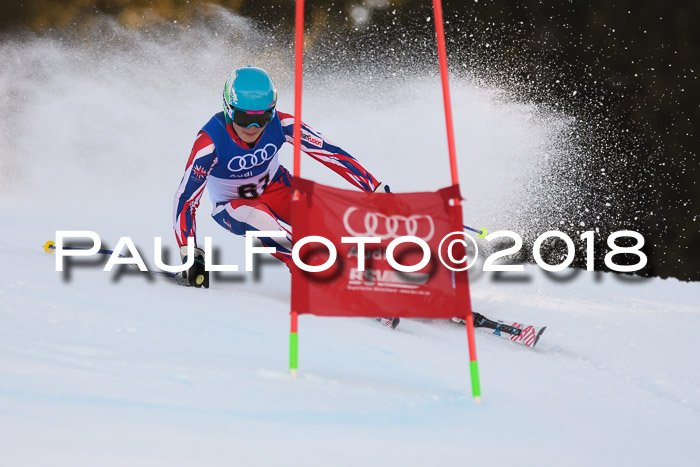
column 248, row 118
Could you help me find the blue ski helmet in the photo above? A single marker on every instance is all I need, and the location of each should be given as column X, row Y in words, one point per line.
column 251, row 89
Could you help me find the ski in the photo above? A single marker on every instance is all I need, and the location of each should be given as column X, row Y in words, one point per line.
column 393, row 322
column 520, row 333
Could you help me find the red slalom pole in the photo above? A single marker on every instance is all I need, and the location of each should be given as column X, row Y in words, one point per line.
column 298, row 72
column 442, row 56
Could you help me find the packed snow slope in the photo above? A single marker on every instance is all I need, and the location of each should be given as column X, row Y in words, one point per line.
column 123, row 369
column 107, row 369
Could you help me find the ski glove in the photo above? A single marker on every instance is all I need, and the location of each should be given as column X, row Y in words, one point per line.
column 195, row 276
column 382, row 188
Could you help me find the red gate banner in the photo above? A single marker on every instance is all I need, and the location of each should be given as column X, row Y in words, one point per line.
column 434, row 291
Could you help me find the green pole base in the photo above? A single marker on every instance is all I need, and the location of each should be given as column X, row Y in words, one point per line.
column 476, row 385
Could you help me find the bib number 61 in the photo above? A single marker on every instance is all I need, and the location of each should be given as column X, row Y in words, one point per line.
column 253, row 190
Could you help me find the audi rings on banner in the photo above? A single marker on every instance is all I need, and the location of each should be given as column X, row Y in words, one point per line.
column 253, row 159
column 374, row 224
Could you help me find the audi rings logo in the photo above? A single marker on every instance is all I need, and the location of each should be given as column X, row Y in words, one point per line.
column 253, row 159
column 374, row 224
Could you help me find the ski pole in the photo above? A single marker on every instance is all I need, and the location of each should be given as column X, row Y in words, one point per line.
column 479, row 233
column 50, row 247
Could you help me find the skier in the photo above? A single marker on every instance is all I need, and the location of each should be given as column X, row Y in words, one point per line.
column 235, row 155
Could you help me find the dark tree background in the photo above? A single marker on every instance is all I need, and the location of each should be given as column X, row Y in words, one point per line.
column 632, row 64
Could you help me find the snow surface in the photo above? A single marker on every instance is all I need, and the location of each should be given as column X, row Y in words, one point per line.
column 123, row 369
